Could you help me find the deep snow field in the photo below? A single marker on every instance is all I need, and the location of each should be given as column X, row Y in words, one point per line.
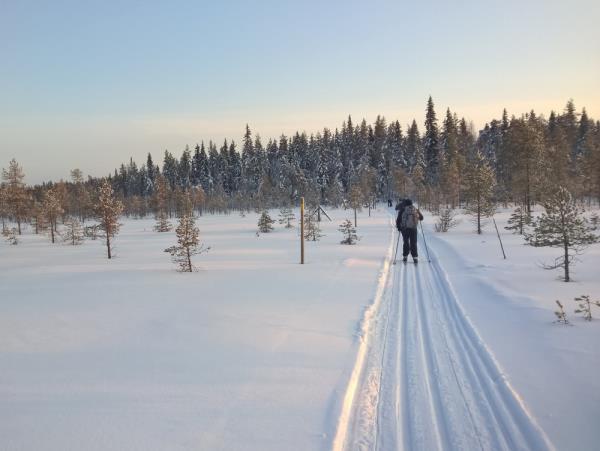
column 248, row 353
column 254, row 351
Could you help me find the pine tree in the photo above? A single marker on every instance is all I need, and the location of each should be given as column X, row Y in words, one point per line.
column 108, row 210
column 312, row 229
column 479, row 189
column 445, row 220
column 562, row 225
column 52, row 210
column 349, row 232
column 524, row 150
column 356, row 200
column 73, row 232
column 265, row 223
column 286, row 216
column 188, row 244
column 16, row 196
column 519, row 219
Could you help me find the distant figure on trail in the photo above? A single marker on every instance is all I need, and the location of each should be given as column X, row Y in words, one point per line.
column 407, row 222
column 389, row 202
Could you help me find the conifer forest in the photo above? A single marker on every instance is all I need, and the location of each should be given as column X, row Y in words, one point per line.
column 525, row 157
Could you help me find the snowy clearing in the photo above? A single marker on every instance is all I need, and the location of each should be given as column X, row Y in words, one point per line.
column 255, row 352
column 249, row 353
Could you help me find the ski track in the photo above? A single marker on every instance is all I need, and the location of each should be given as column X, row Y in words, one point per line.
column 428, row 382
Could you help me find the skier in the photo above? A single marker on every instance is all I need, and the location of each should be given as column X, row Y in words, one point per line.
column 407, row 222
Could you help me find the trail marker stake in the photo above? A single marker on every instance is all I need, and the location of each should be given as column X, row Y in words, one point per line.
column 499, row 239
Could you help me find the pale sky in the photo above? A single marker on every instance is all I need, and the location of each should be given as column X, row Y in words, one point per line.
column 89, row 84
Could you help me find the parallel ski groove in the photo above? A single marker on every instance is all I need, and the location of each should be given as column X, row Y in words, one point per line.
column 431, row 382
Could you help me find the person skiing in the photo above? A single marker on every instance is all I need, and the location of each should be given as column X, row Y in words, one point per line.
column 407, row 222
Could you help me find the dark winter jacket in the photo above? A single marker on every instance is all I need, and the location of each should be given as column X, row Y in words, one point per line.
column 400, row 207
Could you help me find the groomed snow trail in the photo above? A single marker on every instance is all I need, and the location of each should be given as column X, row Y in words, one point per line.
column 428, row 382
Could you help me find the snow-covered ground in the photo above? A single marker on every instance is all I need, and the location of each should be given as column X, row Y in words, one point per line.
column 255, row 352
column 249, row 353
column 462, row 352
column 511, row 304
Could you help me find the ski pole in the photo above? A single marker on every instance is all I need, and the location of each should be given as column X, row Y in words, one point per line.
column 499, row 239
column 396, row 253
column 425, row 242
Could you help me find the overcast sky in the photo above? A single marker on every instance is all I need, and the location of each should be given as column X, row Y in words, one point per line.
column 89, row 84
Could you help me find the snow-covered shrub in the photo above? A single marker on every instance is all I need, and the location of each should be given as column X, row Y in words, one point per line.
column 91, row 232
column 585, row 306
column 349, row 232
column 73, row 233
column 265, row 223
column 286, row 216
column 312, row 229
column 10, row 235
column 162, row 222
column 518, row 221
column 445, row 220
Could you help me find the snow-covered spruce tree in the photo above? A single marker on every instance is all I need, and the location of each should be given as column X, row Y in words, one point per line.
column 562, row 225
column 73, row 232
column 188, row 244
column 519, row 219
column 265, row 223
column 312, row 229
column 162, row 222
column 286, row 216
column 585, row 306
column 349, row 232
column 561, row 315
column 445, row 220
column 479, row 189
column 108, row 210
column 52, row 210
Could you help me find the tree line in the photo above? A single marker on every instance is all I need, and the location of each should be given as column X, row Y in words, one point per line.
column 511, row 160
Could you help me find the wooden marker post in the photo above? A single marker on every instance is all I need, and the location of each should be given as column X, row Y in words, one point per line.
column 302, row 230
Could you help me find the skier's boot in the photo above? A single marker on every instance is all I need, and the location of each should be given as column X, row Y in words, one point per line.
column 415, row 260
column 404, row 259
